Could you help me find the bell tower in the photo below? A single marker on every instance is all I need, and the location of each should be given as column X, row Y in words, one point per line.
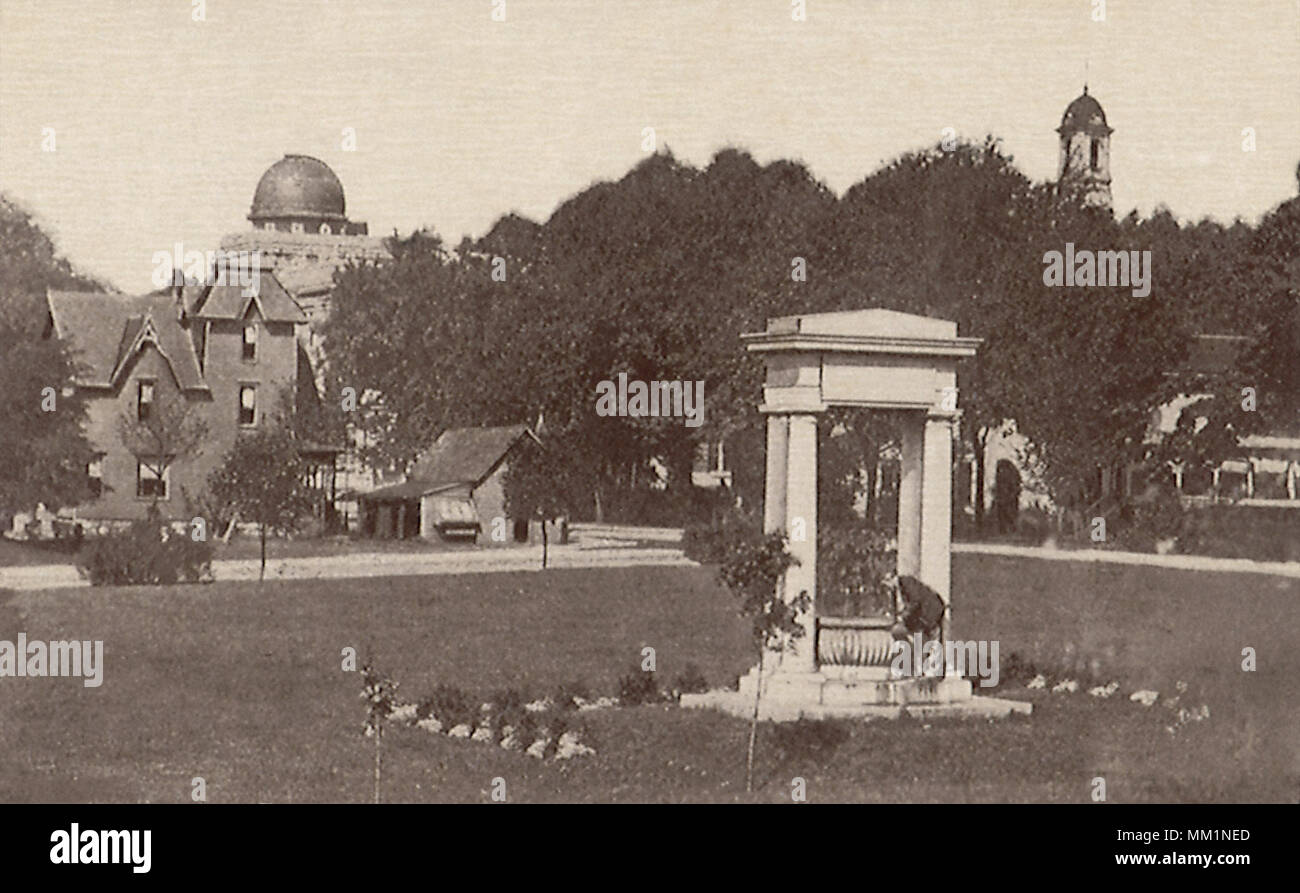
column 1084, row 169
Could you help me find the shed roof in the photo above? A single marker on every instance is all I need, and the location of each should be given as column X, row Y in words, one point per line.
column 459, row 457
column 467, row 455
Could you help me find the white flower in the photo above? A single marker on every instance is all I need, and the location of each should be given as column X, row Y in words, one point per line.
column 539, row 705
column 430, row 724
column 1066, row 685
column 482, row 733
column 537, row 748
column 1104, row 691
column 460, row 731
column 1146, row 697
column 508, row 739
column 570, row 746
column 598, row 704
column 1039, row 681
column 404, row 713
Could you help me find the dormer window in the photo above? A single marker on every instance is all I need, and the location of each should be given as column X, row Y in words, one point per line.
column 325, row 229
column 250, row 342
column 144, row 401
column 295, row 227
column 248, row 405
column 269, row 225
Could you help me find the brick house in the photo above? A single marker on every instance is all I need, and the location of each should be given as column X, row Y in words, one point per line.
column 214, row 352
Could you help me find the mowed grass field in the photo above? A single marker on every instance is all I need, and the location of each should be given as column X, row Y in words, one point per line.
column 242, row 685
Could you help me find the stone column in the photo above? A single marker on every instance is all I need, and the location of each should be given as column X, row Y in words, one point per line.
column 936, row 512
column 778, row 439
column 909, row 495
column 801, row 526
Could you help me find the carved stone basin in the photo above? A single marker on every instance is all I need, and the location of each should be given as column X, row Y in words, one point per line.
column 854, row 641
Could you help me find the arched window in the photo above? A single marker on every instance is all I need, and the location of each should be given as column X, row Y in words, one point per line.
column 325, row 229
column 1094, row 154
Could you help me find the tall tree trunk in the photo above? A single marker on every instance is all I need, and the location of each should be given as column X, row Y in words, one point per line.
column 378, row 738
column 600, row 512
column 545, row 544
column 261, row 574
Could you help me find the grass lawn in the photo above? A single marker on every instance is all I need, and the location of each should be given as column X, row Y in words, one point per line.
column 249, row 547
column 241, row 684
column 19, row 554
column 14, row 553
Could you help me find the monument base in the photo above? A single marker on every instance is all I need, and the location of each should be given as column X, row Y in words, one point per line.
column 855, row 692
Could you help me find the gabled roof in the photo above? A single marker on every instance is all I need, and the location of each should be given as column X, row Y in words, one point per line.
column 466, row 455
column 230, row 301
column 105, row 331
column 459, row 457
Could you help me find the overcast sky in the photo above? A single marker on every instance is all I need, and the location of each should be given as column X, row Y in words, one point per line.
column 163, row 124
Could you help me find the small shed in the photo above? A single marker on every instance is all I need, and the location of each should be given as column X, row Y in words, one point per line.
column 456, row 490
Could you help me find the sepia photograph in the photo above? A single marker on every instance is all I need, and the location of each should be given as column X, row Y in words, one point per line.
column 859, row 402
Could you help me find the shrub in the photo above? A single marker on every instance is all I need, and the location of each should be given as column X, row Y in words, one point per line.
column 1145, row 523
column 709, row 541
column 1234, row 531
column 638, row 687
column 1034, row 525
column 567, row 695
column 145, row 553
column 450, row 705
column 690, row 681
column 507, row 710
column 555, row 723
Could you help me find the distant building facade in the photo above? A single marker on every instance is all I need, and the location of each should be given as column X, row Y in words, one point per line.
column 213, row 353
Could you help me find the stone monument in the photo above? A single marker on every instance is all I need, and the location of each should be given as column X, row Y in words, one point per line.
column 879, row 359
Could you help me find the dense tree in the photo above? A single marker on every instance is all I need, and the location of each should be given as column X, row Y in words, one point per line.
column 41, row 440
column 656, row 276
